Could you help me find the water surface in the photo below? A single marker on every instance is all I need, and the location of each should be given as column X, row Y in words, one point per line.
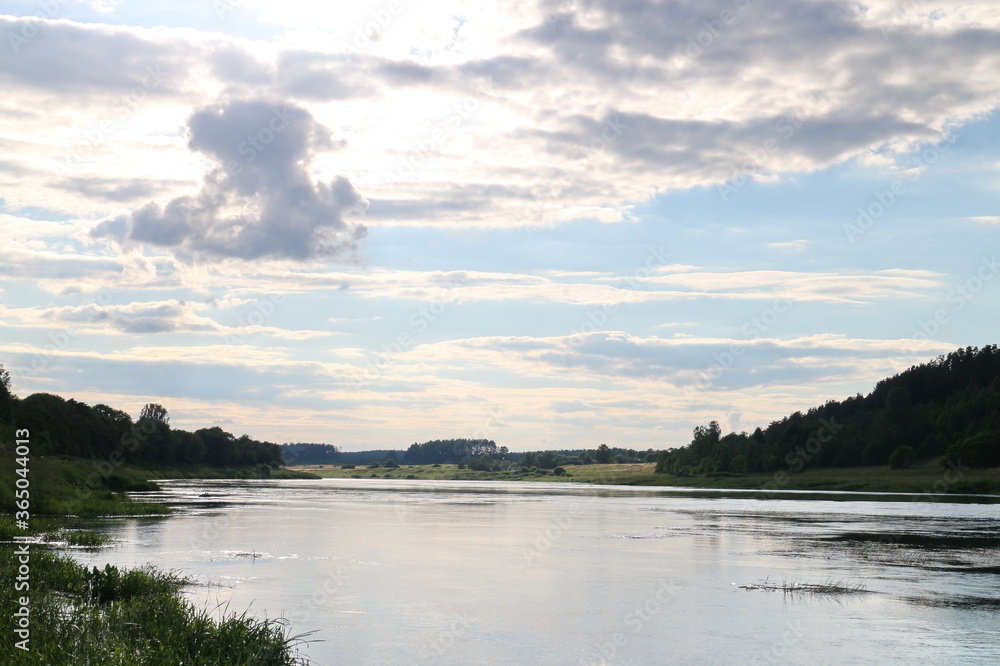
column 400, row 572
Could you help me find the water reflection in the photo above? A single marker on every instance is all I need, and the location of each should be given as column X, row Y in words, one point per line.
column 465, row 572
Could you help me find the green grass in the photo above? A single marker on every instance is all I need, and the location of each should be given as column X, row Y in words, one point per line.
column 207, row 472
column 114, row 617
column 75, row 487
column 118, row 617
column 930, row 477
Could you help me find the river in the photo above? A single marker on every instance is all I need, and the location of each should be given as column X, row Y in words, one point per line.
column 410, row 572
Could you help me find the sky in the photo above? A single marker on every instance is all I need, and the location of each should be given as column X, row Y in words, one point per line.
column 550, row 224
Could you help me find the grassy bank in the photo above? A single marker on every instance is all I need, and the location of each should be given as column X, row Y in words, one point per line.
column 150, row 472
column 62, row 486
column 111, row 616
column 75, row 487
column 123, row 618
column 931, row 477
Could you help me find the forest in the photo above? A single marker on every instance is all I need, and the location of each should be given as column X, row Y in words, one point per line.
column 948, row 408
column 62, row 427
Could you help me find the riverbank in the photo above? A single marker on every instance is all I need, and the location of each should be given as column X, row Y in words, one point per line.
column 122, row 616
column 125, row 617
column 931, row 478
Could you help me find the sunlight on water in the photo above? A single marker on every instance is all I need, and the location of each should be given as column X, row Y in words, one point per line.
column 394, row 572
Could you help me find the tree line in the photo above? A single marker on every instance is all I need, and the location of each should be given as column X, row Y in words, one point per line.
column 444, row 451
column 301, row 453
column 64, row 427
column 948, row 407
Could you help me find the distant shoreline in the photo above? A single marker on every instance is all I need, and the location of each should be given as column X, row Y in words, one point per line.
column 931, row 479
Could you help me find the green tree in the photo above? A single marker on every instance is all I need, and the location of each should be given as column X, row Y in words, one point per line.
column 603, row 454
column 155, row 412
column 6, row 399
column 480, row 464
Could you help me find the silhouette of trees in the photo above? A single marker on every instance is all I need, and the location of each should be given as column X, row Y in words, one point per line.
column 948, row 407
column 71, row 428
column 452, row 451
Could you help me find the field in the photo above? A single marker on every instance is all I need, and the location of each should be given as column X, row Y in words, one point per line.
column 931, row 478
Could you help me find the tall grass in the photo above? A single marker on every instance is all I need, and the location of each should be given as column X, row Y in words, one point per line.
column 110, row 616
column 115, row 617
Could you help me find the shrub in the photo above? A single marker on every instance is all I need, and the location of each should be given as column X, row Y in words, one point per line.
column 347, row 467
column 559, row 471
column 901, row 457
column 481, row 464
column 374, row 465
column 980, row 450
column 390, row 463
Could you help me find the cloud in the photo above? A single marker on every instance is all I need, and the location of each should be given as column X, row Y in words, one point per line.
column 693, row 365
column 791, row 246
column 259, row 200
column 110, row 189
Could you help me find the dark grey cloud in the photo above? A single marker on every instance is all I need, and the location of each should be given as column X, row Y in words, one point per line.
column 136, row 318
column 259, row 201
column 697, row 365
column 75, row 59
column 710, row 147
column 880, row 85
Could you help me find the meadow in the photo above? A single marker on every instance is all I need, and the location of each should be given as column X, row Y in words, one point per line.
column 932, row 478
